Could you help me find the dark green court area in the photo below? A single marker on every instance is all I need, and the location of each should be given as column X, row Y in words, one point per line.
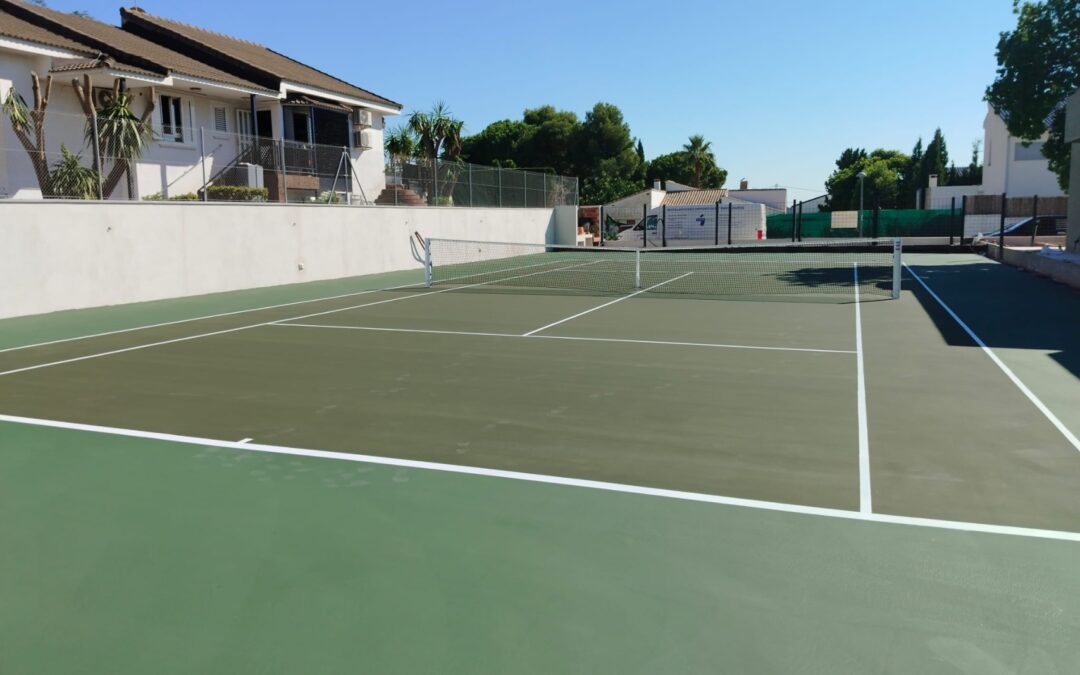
column 840, row 469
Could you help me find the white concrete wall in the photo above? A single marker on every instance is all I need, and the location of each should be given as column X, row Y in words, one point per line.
column 68, row 255
column 370, row 170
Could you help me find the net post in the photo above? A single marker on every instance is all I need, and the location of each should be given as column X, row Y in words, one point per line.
column 897, row 251
column 637, row 269
column 427, row 263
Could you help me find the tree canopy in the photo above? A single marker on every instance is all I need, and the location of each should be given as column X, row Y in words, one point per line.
column 883, row 169
column 600, row 150
column 1038, row 68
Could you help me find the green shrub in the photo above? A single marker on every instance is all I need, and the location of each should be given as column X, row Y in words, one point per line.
column 160, row 197
column 237, row 193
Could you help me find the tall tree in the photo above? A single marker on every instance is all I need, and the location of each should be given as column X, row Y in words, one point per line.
column 678, row 166
column 29, row 126
column 698, row 150
column 881, row 187
column 935, row 160
column 1038, row 67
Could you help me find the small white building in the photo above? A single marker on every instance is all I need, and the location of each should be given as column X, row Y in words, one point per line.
column 1009, row 167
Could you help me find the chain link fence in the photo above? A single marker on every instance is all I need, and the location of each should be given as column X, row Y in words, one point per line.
column 56, row 157
column 1029, row 220
column 455, row 183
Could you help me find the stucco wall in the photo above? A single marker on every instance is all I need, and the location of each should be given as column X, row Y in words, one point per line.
column 67, row 255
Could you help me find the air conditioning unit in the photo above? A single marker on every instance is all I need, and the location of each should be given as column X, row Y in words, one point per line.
column 363, row 119
column 363, row 139
column 250, row 175
column 102, row 96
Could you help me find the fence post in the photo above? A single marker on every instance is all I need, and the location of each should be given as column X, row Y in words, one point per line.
column 716, row 225
column 963, row 218
column 435, row 181
column 794, row 202
column 729, row 223
column 644, row 225
column 470, row 186
column 876, row 222
column 663, row 226
column 545, row 190
column 498, row 172
column 284, row 196
column 952, row 220
column 601, row 226
column 97, row 156
column 1001, row 227
column 1034, row 218
column 202, row 155
column 800, row 221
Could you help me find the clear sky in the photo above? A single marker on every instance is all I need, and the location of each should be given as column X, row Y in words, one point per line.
column 779, row 87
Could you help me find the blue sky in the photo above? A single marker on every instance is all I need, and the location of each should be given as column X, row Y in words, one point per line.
column 780, row 88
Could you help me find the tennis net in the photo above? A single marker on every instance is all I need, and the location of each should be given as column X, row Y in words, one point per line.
column 821, row 267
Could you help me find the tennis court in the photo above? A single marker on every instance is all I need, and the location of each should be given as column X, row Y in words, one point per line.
column 715, row 460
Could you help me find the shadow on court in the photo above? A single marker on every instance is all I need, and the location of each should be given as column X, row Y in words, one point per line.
column 1006, row 307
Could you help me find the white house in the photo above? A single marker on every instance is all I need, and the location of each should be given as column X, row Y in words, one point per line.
column 224, row 111
column 1009, row 167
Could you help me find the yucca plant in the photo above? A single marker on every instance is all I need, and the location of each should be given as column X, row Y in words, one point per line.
column 70, row 179
column 122, row 136
column 436, row 132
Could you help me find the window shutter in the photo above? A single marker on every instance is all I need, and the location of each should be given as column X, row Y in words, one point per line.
column 220, row 123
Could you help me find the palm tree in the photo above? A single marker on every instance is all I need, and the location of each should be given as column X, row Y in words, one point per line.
column 400, row 145
column 699, row 152
column 436, row 131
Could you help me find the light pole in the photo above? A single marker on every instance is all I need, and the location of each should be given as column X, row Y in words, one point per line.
column 862, row 179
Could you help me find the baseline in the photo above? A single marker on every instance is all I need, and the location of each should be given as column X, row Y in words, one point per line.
column 559, row 480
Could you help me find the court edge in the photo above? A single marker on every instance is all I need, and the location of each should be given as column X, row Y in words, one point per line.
column 246, row 445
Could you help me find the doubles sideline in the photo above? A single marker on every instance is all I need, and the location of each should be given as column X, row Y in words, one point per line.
column 266, row 323
column 247, row 446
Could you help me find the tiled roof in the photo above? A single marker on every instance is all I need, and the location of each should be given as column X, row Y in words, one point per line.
column 126, row 50
column 244, row 56
column 13, row 27
column 694, row 197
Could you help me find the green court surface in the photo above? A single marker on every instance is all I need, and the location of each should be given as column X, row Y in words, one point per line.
column 337, row 477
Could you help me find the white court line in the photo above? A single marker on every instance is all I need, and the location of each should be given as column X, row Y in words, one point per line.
column 865, row 499
column 563, row 337
column 606, row 304
column 1069, row 436
column 245, row 440
column 560, row 480
column 253, row 325
column 418, row 284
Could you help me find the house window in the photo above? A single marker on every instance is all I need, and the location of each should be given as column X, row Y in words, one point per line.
column 1032, row 152
column 243, row 123
column 172, row 119
column 220, row 122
